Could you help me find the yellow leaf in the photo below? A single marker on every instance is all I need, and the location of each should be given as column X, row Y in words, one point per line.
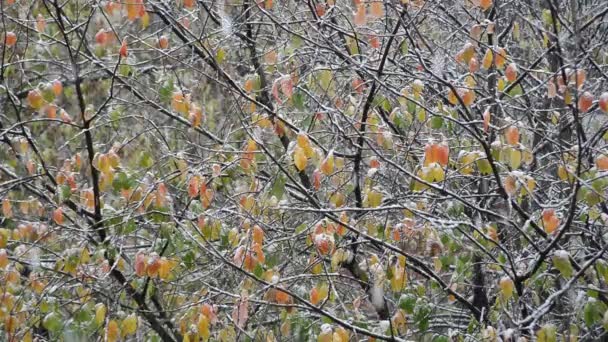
column 338, row 257
column 112, row 331
column 325, row 336
column 165, row 268
column 299, row 158
column 437, row 173
column 487, row 59
column 374, row 199
column 506, row 287
column 35, row 99
column 303, row 140
column 203, row 326
column 398, row 280
column 342, row 333
column 129, row 325
column 437, row 264
column 327, row 165
column 337, row 199
column 514, row 158
column 100, row 313
column 145, row 20
column 501, row 84
column 562, row 173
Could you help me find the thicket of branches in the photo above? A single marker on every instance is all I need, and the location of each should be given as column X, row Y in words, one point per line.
column 290, row 170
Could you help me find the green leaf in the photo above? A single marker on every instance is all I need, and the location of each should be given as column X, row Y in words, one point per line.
column 45, row 306
column 166, row 91
column 421, row 315
column 146, row 160
column 516, row 91
column 386, row 105
column 547, row 17
column 473, row 324
column 592, row 198
column 298, row 100
column 436, row 122
column 300, row 228
column 389, row 273
column 188, row 259
column 166, row 230
column 325, row 78
column 258, row 271
column 420, row 114
column 66, row 192
column 52, row 322
column 421, row 291
column 47, row 94
column 484, row 167
column 404, row 47
column 224, row 241
column 407, row 302
column 129, row 227
column 399, row 120
column 548, row 333
column 591, row 313
column 562, row 263
column 602, row 268
column 440, row 338
column 115, row 116
column 124, row 70
column 220, row 55
column 353, row 46
column 272, row 260
column 296, row 41
column 83, row 315
column 411, row 106
column 119, row 180
column 278, row 187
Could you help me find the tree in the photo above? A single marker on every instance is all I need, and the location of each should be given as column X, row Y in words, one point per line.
column 178, row 170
